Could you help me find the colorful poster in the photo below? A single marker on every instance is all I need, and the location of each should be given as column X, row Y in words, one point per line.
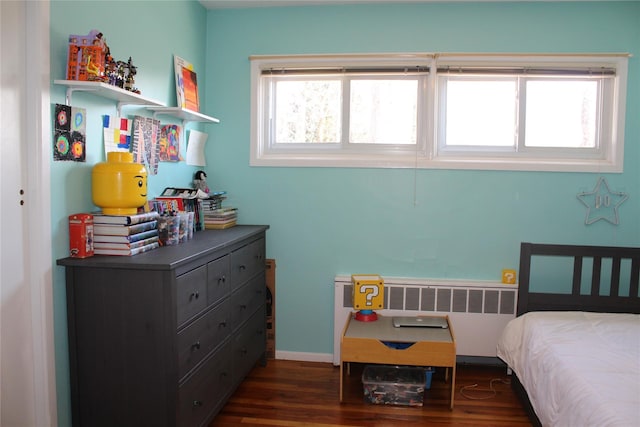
column 69, row 133
column 146, row 143
column 117, row 133
column 186, row 84
column 170, row 143
column 190, row 82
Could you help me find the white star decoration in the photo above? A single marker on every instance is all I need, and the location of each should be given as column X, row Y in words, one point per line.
column 602, row 203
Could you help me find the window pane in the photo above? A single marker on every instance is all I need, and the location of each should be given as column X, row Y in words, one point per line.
column 561, row 113
column 481, row 112
column 383, row 111
column 308, row 111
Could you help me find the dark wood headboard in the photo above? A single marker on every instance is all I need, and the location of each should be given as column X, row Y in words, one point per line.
column 529, row 300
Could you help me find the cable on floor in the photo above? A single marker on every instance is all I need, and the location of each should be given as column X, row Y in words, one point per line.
column 464, row 391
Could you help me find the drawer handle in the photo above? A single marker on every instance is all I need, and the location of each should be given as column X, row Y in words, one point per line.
column 195, row 346
column 243, row 306
column 244, row 351
column 194, row 295
column 221, row 280
column 242, row 267
column 197, row 403
column 223, row 324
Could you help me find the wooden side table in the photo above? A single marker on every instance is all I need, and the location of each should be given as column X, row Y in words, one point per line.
column 363, row 342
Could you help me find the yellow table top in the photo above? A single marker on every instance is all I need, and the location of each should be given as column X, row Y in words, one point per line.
column 383, row 330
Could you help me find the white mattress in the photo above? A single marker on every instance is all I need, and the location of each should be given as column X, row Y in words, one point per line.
column 579, row 369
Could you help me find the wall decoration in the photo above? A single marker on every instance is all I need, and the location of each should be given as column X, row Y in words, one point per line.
column 602, row 203
column 69, row 133
column 186, row 85
column 146, row 144
column 195, row 148
column 170, row 143
column 117, row 133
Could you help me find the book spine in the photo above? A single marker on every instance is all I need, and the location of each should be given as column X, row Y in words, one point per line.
column 143, row 226
column 140, row 218
column 100, row 218
column 145, row 248
column 143, row 235
column 125, row 246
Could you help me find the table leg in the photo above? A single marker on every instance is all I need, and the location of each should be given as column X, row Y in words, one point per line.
column 341, row 378
column 453, row 384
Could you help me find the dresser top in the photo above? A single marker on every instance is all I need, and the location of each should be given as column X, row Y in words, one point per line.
column 204, row 243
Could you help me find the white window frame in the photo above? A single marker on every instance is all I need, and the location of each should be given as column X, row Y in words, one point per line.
column 429, row 153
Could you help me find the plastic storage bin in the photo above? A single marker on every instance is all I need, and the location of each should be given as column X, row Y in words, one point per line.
column 393, row 385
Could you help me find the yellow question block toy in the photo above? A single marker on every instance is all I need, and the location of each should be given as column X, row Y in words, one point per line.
column 368, row 295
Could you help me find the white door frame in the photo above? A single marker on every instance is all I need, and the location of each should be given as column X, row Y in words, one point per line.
column 26, row 308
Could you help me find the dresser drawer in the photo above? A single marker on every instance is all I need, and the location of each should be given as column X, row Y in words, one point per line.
column 247, row 261
column 246, row 300
column 249, row 344
column 191, row 291
column 204, row 392
column 197, row 340
column 217, row 279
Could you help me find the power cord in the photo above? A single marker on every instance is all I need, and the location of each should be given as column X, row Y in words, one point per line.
column 474, row 387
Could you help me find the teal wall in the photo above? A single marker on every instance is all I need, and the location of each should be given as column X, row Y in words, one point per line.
column 151, row 32
column 426, row 223
column 328, row 221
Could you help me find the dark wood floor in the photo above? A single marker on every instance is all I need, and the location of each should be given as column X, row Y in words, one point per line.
column 290, row 393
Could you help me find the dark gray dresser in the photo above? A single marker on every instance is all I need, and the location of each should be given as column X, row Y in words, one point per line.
column 163, row 338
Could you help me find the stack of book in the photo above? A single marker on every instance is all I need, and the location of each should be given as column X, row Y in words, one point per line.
column 125, row 235
column 217, row 217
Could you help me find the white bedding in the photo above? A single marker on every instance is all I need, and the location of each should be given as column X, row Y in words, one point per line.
column 579, row 369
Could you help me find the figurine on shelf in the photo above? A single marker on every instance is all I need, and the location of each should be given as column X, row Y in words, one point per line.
column 130, row 78
column 200, row 181
column 120, row 73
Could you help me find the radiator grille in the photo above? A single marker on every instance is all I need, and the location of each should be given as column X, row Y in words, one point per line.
column 448, row 299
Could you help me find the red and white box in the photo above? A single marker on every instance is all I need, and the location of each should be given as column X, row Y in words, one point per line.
column 81, row 235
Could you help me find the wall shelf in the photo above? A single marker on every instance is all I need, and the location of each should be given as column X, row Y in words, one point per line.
column 124, row 97
column 184, row 114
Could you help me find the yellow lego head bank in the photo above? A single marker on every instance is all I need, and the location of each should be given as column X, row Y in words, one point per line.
column 119, row 185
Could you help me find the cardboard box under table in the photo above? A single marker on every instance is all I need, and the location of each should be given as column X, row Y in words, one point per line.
column 364, row 342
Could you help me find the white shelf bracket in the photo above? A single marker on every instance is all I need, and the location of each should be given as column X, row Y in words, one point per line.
column 123, row 104
column 70, row 91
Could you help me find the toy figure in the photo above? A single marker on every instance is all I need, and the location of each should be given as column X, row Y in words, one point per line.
column 200, row 181
column 120, row 73
column 130, row 77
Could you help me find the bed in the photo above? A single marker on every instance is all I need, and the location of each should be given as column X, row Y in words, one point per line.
column 574, row 347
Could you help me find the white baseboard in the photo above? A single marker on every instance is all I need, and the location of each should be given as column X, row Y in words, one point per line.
column 304, row 357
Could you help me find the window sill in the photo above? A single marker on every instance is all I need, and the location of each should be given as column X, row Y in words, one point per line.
column 410, row 161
